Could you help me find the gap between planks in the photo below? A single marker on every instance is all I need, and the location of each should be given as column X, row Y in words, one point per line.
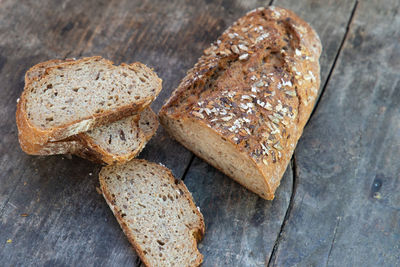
column 188, row 167
column 294, row 165
column 333, row 239
column 288, row 211
column 335, row 60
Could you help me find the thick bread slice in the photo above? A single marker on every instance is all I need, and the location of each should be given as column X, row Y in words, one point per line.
column 70, row 145
column 75, row 96
column 244, row 105
column 120, row 141
column 156, row 212
column 116, row 142
column 148, row 123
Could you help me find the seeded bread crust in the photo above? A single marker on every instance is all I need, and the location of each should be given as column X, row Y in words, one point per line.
column 197, row 231
column 35, row 135
column 251, row 93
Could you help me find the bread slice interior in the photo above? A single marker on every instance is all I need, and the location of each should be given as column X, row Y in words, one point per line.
column 156, row 212
column 218, row 151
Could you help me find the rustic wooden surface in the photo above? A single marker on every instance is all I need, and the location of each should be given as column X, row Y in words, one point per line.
column 338, row 203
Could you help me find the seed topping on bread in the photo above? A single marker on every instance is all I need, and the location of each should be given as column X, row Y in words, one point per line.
column 254, row 70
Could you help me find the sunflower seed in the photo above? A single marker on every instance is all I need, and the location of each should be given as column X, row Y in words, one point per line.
column 244, row 57
column 243, row 47
column 235, row 49
column 291, row 93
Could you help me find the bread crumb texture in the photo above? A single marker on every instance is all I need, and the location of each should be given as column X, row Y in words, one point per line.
column 156, row 212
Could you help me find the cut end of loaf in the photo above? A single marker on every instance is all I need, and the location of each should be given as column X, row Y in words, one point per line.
column 156, row 212
column 219, row 152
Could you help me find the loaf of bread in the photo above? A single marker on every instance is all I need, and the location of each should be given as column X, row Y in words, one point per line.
column 244, row 105
column 155, row 211
column 61, row 99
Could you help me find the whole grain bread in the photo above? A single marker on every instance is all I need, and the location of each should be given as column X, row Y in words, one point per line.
column 66, row 98
column 117, row 142
column 244, row 105
column 155, row 211
column 148, row 123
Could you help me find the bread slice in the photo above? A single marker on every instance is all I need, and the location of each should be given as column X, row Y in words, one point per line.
column 119, row 141
column 40, row 69
column 155, row 211
column 75, row 96
column 70, row 145
column 116, row 142
column 244, row 105
column 148, row 123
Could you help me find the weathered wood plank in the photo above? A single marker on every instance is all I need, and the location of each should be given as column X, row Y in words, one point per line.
column 346, row 210
column 241, row 228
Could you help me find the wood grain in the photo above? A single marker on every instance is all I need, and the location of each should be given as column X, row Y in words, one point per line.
column 346, row 208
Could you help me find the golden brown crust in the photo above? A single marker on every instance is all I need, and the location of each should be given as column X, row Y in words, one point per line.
column 255, row 86
column 35, row 135
column 197, row 232
column 66, row 146
column 39, row 69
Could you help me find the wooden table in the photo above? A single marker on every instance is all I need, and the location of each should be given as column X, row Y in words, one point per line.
column 339, row 201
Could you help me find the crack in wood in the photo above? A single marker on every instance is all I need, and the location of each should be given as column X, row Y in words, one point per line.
column 338, row 219
column 350, row 22
column 294, row 165
column 288, row 211
column 188, row 167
